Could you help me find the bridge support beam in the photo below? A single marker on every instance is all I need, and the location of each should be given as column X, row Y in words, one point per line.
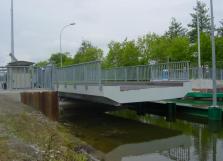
column 215, row 114
column 171, row 112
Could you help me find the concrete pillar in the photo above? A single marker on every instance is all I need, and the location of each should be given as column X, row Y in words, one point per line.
column 171, row 111
column 214, row 114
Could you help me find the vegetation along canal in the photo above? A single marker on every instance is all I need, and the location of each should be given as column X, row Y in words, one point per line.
column 122, row 135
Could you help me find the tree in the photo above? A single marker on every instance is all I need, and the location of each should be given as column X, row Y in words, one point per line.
column 87, row 52
column 204, row 20
column 179, row 49
column 165, row 49
column 219, row 51
column 122, row 54
column 158, row 49
column 205, row 47
column 56, row 59
column 175, row 29
column 144, row 44
column 113, row 59
column 42, row 64
column 220, row 29
column 131, row 54
column 207, row 52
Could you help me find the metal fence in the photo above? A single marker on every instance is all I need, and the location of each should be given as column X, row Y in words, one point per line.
column 3, row 77
column 92, row 73
column 205, row 73
column 86, row 73
column 25, row 77
column 43, row 77
column 177, row 71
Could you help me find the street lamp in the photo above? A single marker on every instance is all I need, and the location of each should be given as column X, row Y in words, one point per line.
column 61, row 32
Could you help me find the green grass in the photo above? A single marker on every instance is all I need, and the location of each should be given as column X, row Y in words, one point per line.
column 52, row 139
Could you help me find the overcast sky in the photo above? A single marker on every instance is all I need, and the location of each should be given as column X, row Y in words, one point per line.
column 38, row 23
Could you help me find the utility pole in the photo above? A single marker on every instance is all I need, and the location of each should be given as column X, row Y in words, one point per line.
column 213, row 56
column 12, row 54
column 214, row 112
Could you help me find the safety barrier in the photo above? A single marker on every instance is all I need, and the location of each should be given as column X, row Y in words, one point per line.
column 86, row 73
column 176, row 71
column 205, row 73
column 91, row 73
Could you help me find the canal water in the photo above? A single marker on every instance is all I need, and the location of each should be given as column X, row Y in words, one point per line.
column 122, row 135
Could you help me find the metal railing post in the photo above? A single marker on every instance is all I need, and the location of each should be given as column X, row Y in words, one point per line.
column 99, row 75
column 137, row 73
column 188, row 71
column 126, row 77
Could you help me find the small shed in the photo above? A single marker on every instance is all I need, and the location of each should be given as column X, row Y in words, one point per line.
column 19, row 75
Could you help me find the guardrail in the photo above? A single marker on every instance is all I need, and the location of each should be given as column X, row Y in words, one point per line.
column 91, row 73
column 85, row 73
column 205, row 73
column 176, row 71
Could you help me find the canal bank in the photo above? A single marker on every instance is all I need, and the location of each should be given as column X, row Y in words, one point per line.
column 26, row 134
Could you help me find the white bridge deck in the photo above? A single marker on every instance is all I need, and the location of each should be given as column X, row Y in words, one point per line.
column 118, row 94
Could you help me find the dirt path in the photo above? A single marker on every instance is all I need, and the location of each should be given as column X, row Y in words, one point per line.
column 27, row 135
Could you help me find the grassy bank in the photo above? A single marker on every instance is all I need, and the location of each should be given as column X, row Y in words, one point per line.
column 25, row 134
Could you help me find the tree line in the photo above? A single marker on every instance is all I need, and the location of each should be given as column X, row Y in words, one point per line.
column 176, row 44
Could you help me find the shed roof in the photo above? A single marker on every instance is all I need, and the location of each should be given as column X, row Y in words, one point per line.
column 20, row 63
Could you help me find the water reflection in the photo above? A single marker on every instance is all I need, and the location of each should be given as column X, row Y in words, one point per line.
column 177, row 148
column 153, row 139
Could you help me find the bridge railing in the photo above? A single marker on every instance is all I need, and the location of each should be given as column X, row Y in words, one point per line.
column 91, row 73
column 174, row 71
column 43, row 77
column 132, row 73
column 85, row 73
column 205, row 73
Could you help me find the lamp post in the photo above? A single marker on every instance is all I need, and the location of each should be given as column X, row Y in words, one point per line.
column 199, row 44
column 61, row 32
